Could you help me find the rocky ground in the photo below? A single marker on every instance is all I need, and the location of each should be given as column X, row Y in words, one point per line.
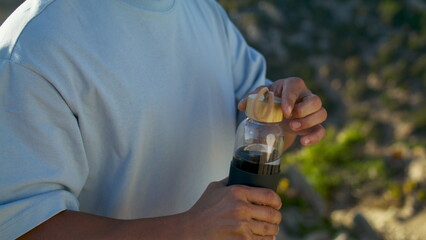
column 374, row 216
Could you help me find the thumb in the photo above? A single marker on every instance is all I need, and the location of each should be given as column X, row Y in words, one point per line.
column 293, row 91
column 224, row 181
column 242, row 104
column 287, row 104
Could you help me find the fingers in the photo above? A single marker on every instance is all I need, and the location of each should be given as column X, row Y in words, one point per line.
column 306, row 106
column 263, row 228
column 258, row 196
column 296, row 99
column 307, row 117
column 265, row 214
column 224, row 181
column 263, row 238
column 309, row 121
column 303, row 110
column 293, row 90
column 313, row 135
column 263, row 196
column 256, row 211
column 242, row 104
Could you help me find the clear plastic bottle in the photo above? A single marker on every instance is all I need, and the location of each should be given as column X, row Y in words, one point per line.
column 259, row 143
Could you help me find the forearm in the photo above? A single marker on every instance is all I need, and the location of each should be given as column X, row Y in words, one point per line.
column 78, row 225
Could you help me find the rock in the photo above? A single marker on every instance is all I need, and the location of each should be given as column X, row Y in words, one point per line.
column 355, row 221
column 417, row 170
column 342, row 236
column 305, row 190
column 415, row 226
column 363, row 229
column 409, row 208
column 318, row 235
column 292, row 218
column 342, row 218
column 365, row 223
column 296, row 221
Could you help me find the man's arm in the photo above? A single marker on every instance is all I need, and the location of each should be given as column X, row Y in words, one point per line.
column 235, row 212
column 78, row 225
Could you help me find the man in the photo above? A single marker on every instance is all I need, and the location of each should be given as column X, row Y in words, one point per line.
column 117, row 114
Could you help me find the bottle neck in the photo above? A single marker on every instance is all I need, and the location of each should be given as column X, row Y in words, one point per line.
column 251, row 120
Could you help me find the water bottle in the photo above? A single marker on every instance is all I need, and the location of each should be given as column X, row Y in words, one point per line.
column 259, row 143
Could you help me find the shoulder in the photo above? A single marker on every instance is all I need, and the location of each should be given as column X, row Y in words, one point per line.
column 18, row 23
column 34, row 24
column 211, row 6
column 208, row 10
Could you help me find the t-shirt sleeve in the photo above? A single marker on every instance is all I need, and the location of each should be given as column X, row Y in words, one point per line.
column 248, row 65
column 43, row 165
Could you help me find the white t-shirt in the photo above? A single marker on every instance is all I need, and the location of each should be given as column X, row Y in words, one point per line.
column 120, row 108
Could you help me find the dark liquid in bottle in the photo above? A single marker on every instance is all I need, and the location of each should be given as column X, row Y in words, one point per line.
column 257, row 162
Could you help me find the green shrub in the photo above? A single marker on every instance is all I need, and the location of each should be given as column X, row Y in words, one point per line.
column 337, row 161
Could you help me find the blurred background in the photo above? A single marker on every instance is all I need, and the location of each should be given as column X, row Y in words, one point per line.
column 367, row 61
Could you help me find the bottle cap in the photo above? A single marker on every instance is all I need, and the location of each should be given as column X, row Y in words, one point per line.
column 264, row 107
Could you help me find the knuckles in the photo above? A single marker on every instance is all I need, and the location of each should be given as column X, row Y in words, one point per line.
column 274, row 216
column 241, row 210
column 297, row 81
column 244, row 236
column 311, row 103
column 297, row 112
column 278, row 217
column 273, row 198
column 242, row 227
column 213, row 185
column 270, row 229
column 269, row 194
column 316, row 99
column 236, row 191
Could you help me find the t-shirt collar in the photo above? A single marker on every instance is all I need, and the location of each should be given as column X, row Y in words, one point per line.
column 152, row 5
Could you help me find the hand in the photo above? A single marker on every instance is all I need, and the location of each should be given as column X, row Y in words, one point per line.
column 303, row 111
column 234, row 212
